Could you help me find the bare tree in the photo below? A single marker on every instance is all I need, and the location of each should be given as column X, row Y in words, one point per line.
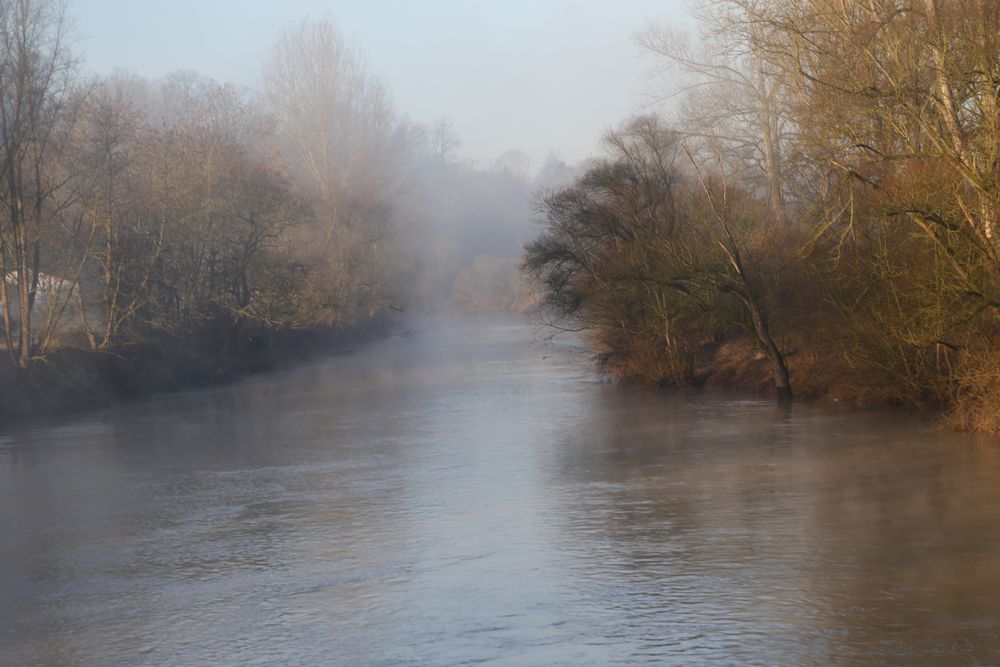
column 898, row 102
column 733, row 97
column 652, row 260
column 338, row 134
column 127, row 242
column 38, row 104
column 514, row 162
column 444, row 140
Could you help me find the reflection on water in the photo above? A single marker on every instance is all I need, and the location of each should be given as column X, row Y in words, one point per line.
column 464, row 495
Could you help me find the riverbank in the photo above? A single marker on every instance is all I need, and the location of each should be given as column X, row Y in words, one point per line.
column 819, row 375
column 74, row 380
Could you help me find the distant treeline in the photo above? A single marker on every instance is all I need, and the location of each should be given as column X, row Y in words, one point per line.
column 822, row 214
column 480, row 220
column 191, row 221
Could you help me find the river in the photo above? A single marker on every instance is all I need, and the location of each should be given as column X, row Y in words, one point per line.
column 472, row 494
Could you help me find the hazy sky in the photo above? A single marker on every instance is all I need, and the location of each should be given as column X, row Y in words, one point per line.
column 533, row 75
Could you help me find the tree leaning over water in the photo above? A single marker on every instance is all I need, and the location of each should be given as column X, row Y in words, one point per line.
column 897, row 105
column 852, row 147
column 652, row 256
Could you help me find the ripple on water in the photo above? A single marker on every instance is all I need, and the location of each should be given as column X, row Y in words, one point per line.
column 465, row 495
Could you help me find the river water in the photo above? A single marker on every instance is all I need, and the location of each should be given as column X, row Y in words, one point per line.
column 469, row 494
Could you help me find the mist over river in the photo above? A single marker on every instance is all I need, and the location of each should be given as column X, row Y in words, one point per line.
column 471, row 494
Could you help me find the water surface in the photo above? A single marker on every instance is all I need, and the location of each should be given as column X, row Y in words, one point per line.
column 467, row 495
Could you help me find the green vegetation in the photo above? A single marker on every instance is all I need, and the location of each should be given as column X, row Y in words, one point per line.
column 822, row 215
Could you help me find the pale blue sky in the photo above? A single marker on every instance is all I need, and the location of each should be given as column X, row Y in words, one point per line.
column 533, row 75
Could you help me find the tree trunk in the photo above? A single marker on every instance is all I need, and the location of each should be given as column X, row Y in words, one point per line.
column 23, row 294
column 770, row 349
